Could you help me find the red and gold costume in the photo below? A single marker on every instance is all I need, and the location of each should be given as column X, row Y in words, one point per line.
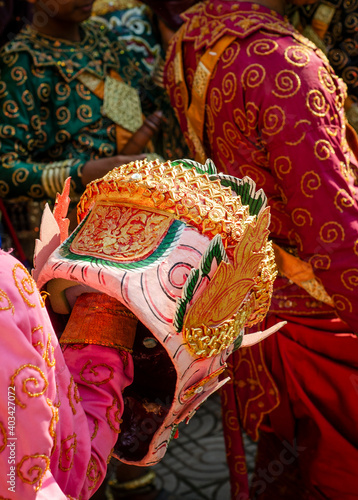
column 262, row 101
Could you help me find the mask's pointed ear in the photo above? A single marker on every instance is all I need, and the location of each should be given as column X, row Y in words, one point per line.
column 61, row 209
column 253, row 338
column 53, row 229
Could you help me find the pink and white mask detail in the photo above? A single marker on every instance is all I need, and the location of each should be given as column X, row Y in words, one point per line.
column 186, row 250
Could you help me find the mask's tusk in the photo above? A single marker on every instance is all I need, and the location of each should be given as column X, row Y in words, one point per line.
column 253, row 338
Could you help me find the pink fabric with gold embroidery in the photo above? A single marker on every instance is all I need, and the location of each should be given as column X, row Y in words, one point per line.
column 59, row 412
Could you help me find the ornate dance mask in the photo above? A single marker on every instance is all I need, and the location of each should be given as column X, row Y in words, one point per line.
column 186, row 250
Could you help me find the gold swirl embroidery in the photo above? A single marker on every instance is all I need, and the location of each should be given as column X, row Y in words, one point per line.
column 10, row 59
column 25, row 285
column 10, row 109
column 224, row 149
column 303, row 135
column 8, row 159
column 105, row 149
column 28, row 99
column 30, row 379
column 63, row 91
column 343, row 200
column 38, row 72
column 69, row 395
column 49, row 355
column 19, row 75
column 355, row 247
column 62, row 136
column 92, row 371
column 44, row 113
column 67, row 453
column 44, row 91
column 113, row 415
column 320, row 261
column 216, row 101
column 39, row 343
column 342, row 303
column 316, row 103
column 253, row 76
column 7, row 131
column 230, row 54
column 3, row 435
column 282, row 166
column 296, row 55
column 63, row 115
column 287, row 84
column 39, row 465
column 326, row 79
column 231, row 134
column 36, row 191
column 301, row 217
column 254, row 173
column 96, row 425
column 262, row 47
column 349, row 278
column 331, row 231
column 340, row 100
column 35, row 122
column 86, row 140
column 241, row 121
column 3, row 90
column 83, row 92
column 310, row 181
column 84, row 113
column 229, row 86
column 52, row 426
column 274, row 120
column 252, row 114
column 9, row 305
column 93, row 472
column 323, row 149
column 4, row 188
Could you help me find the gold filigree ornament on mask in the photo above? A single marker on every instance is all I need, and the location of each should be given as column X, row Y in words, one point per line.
column 239, row 292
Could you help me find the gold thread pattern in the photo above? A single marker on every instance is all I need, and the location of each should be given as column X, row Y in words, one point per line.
column 67, row 453
column 93, row 472
column 349, row 278
column 343, row 200
column 297, row 55
column 274, row 120
column 282, row 166
column 331, row 231
column 32, row 469
column 287, row 84
column 8, row 306
column 88, row 373
column 323, row 149
column 253, row 76
column 34, row 383
column 302, row 217
column 113, row 415
column 316, row 103
column 310, row 182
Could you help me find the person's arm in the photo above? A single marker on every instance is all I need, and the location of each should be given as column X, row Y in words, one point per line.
column 59, row 413
column 312, row 167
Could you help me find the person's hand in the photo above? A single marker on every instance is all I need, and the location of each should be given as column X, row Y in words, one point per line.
column 95, row 169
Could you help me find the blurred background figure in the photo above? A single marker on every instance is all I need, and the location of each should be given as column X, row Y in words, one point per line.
column 333, row 27
column 76, row 100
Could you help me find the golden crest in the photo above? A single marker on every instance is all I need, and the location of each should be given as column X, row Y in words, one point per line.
column 120, row 232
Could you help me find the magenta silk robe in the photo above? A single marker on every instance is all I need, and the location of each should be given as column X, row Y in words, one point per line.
column 274, row 111
column 59, row 411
